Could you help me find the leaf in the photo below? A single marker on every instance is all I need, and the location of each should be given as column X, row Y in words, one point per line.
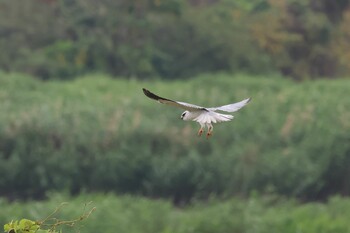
column 10, row 227
column 28, row 225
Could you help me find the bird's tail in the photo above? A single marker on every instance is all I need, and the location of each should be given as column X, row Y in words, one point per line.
column 223, row 117
column 213, row 117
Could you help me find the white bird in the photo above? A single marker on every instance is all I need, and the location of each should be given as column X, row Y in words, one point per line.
column 204, row 116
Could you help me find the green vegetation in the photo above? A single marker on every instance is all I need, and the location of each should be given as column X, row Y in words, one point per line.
column 24, row 225
column 98, row 138
column 136, row 214
column 100, row 134
column 175, row 38
column 48, row 224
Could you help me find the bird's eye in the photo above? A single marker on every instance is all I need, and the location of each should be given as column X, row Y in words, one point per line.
column 183, row 114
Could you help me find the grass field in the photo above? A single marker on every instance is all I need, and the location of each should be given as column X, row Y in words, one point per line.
column 96, row 134
column 137, row 214
column 103, row 134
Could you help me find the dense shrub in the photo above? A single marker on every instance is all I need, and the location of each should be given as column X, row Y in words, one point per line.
column 98, row 134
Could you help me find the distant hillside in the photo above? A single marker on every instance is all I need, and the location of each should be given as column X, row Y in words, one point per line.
column 175, row 39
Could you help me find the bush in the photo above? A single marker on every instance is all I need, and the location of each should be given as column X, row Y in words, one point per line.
column 98, row 134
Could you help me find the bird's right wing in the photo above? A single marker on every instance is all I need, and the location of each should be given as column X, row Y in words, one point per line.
column 183, row 105
column 231, row 107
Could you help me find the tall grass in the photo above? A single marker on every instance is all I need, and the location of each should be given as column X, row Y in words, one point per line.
column 99, row 134
column 137, row 214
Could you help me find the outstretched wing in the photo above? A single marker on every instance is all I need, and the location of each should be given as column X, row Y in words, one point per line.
column 183, row 105
column 231, row 107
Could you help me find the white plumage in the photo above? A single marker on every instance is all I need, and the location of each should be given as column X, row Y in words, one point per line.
column 209, row 117
column 204, row 116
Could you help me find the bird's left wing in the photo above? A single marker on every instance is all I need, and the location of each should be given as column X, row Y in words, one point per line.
column 231, row 107
column 183, row 105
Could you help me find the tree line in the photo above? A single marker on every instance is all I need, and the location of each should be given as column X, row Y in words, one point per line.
column 171, row 39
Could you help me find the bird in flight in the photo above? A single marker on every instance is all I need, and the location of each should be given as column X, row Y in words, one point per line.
column 203, row 115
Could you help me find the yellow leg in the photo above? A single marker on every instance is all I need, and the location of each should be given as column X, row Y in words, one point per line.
column 210, row 131
column 209, row 134
column 200, row 131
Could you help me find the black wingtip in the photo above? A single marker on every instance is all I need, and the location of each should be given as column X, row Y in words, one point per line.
column 154, row 96
column 145, row 91
column 150, row 94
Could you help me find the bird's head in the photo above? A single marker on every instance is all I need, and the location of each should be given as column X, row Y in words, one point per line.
column 184, row 115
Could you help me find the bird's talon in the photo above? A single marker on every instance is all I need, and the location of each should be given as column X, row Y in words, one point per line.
column 209, row 134
column 200, row 132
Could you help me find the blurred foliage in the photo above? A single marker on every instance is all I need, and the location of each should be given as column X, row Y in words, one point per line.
column 175, row 38
column 99, row 134
column 47, row 224
column 24, row 225
column 300, row 34
column 136, row 214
